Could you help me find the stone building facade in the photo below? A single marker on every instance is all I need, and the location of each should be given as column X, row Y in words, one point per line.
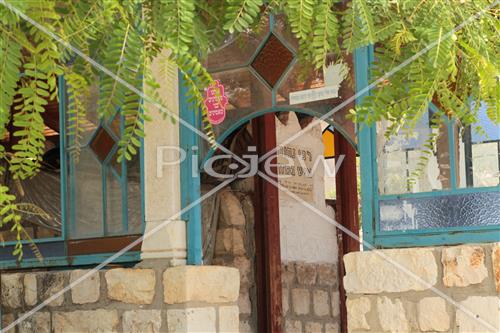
column 140, row 300
column 383, row 298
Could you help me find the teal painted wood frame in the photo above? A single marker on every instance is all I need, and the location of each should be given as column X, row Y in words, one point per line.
column 370, row 197
column 67, row 211
column 190, row 180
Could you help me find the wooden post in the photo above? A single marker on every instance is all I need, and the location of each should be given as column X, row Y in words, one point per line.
column 346, row 211
column 267, row 233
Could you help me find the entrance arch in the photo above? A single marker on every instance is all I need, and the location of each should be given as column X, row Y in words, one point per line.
column 249, row 117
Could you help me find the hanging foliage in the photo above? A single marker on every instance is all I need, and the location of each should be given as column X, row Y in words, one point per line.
column 126, row 35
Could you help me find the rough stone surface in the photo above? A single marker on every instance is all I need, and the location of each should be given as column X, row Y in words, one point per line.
column 327, row 274
column 136, row 286
column 96, row 321
column 30, row 290
column 320, row 303
column 244, row 303
column 301, row 301
column 432, row 314
column 285, row 300
column 463, row 265
column 231, row 210
column 306, row 273
column 313, row 327
column 371, row 272
column 332, row 328
column 50, row 284
column 229, row 240
column 335, row 299
column 229, row 319
column 12, row 290
column 212, row 284
column 8, row 319
column 391, row 315
column 87, row 290
column 288, row 274
column 38, row 322
column 495, row 257
column 293, row 326
column 244, row 265
column 141, row 321
column 357, row 309
column 486, row 308
column 191, row 320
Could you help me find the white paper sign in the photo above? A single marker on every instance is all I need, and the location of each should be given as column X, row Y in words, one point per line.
column 311, row 95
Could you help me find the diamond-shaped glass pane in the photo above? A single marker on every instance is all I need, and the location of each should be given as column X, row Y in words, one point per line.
column 102, row 143
column 272, row 60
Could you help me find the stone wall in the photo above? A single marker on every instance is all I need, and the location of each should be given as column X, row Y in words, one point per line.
column 310, row 298
column 235, row 247
column 178, row 299
column 383, row 298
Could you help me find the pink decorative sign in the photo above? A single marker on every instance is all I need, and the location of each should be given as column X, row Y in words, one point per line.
column 216, row 101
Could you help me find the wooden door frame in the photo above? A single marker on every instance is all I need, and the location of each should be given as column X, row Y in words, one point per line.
column 267, row 233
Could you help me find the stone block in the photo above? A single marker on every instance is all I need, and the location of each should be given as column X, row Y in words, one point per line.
column 392, row 315
column 306, row 273
column 95, row 321
column 432, row 315
column 38, row 322
column 88, row 289
column 191, row 320
column 357, row 309
column 288, row 274
column 141, row 321
column 244, row 302
column 230, row 209
column 332, row 328
column 285, row 300
column 30, row 290
column 212, row 284
column 335, row 299
column 293, row 326
column 321, row 306
column 327, row 274
column 313, row 327
column 487, row 314
column 51, row 284
column 246, row 327
column 8, row 319
column 495, row 257
column 128, row 285
column 301, row 300
column 244, row 265
column 12, row 290
column 229, row 240
column 373, row 272
column 463, row 265
column 229, row 319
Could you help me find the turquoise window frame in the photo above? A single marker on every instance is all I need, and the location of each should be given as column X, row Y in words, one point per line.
column 370, row 197
column 54, row 249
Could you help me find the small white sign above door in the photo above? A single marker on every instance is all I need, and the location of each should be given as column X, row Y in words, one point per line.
column 312, row 95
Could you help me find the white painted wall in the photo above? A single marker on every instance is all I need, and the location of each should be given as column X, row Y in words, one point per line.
column 306, row 236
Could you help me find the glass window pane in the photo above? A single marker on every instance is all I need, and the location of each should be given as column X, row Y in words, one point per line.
column 134, row 206
column 406, row 165
column 461, row 210
column 272, row 60
column 237, row 51
column 113, row 204
column 86, row 196
column 479, row 153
